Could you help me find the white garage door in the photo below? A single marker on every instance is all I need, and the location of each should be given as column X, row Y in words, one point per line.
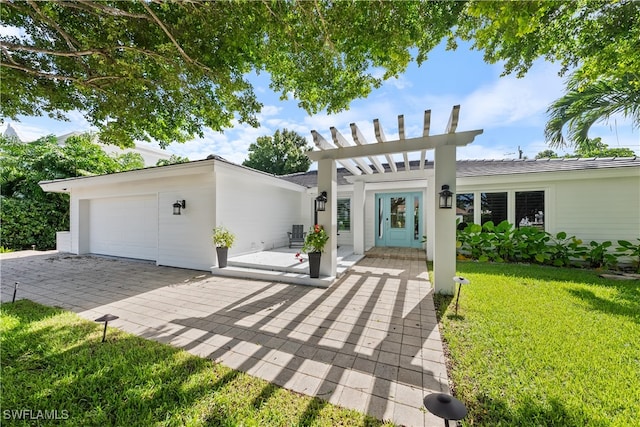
column 124, row 226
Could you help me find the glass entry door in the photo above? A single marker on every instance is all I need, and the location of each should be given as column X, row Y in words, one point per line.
column 399, row 219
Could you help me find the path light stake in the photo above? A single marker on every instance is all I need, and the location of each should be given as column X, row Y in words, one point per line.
column 15, row 290
column 460, row 281
column 106, row 319
column 445, row 406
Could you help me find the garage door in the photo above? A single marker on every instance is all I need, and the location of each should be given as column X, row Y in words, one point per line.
column 124, row 226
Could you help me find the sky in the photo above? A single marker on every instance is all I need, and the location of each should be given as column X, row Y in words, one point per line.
column 510, row 110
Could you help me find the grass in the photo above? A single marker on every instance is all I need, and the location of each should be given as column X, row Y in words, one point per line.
column 543, row 346
column 52, row 360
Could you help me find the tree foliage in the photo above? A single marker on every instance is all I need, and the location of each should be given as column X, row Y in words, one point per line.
column 547, row 154
column 164, row 70
column 29, row 215
column 174, row 159
column 586, row 103
column 280, row 154
column 598, row 39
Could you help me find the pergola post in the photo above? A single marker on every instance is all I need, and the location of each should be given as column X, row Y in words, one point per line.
column 444, row 233
column 328, row 181
column 357, row 215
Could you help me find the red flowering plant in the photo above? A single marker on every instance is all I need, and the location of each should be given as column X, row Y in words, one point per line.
column 314, row 242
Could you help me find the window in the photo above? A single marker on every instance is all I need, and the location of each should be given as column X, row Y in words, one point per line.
column 344, row 214
column 530, row 209
column 494, row 207
column 398, row 212
column 464, row 209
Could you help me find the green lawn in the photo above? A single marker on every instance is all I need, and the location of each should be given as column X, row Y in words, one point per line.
column 52, row 360
column 543, row 346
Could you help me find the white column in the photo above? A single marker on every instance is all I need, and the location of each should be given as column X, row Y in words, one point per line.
column 357, row 217
column 444, row 244
column 430, row 208
column 327, row 181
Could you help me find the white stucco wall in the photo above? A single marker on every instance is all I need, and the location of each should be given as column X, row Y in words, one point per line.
column 591, row 204
column 258, row 209
column 181, row 240
column 599, row 209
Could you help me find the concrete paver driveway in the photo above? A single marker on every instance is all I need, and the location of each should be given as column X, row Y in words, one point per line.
column 369, row 342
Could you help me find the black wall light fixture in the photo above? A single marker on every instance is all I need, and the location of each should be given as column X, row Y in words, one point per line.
column 320, row 205
column 446, row 198
column 178, row 205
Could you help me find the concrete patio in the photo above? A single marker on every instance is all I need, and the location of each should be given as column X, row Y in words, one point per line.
column 369, row 342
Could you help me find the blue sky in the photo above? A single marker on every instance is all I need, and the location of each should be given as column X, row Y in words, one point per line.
column 510, row 110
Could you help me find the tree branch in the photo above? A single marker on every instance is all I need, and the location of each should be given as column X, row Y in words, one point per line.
column 86, row 83
column 111, row 10
column 173, row 40
column 53, row 24
column 6, row 46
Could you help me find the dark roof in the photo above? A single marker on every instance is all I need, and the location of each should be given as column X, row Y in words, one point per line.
column 468, row 168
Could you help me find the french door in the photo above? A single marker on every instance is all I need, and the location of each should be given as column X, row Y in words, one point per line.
column 399, row 219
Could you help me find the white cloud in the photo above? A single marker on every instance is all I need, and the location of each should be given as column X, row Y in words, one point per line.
column 510, row 101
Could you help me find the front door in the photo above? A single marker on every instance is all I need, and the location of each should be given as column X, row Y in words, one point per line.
column 398, row 219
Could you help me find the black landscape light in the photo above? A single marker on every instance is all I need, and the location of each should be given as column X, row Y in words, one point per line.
column 445, row 406
column 460, row 281
column 106, row 319
column 15, row 291
column 179, row 204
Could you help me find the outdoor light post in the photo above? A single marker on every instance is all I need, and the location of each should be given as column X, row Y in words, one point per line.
column 460, row 281
column 445, row 406
column 106, row 319
column 15, row 291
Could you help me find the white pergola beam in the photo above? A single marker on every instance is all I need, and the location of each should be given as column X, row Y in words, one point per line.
column 341, row 141
column 453, row 119
column 425, row 132
column 359, row 139
column 381, row 138
column 458, row 139
column 405, row 155
column 325, row 147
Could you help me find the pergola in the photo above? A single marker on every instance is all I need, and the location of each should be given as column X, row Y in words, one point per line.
column 361, row 158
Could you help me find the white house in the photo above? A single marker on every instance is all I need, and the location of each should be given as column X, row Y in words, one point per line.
column 130, row 214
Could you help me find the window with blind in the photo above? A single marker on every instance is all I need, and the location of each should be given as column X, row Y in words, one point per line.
column 464, row 208
column 344, row 214
column 494, row 207
column 530, row 209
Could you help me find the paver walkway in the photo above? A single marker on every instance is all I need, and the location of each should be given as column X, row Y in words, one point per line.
column 370, row 342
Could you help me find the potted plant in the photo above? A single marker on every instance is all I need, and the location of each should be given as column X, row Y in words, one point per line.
column 314, row 244
column 223, row 239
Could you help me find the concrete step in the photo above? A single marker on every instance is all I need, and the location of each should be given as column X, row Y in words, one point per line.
column 273, row 276
column 295, row 267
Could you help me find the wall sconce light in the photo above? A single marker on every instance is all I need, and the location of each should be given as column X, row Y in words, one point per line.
column 321, row 202
column 446, row 198
column 179, row 204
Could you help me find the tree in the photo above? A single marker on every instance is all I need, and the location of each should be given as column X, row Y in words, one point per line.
column 280, row 154
column 600, row 37
column 174, row 159
column 547, row 154
column 165, row 70
column 596, row 148
column 161, row 70
column 588, row 102
column 29, row 215
column 600, row 40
